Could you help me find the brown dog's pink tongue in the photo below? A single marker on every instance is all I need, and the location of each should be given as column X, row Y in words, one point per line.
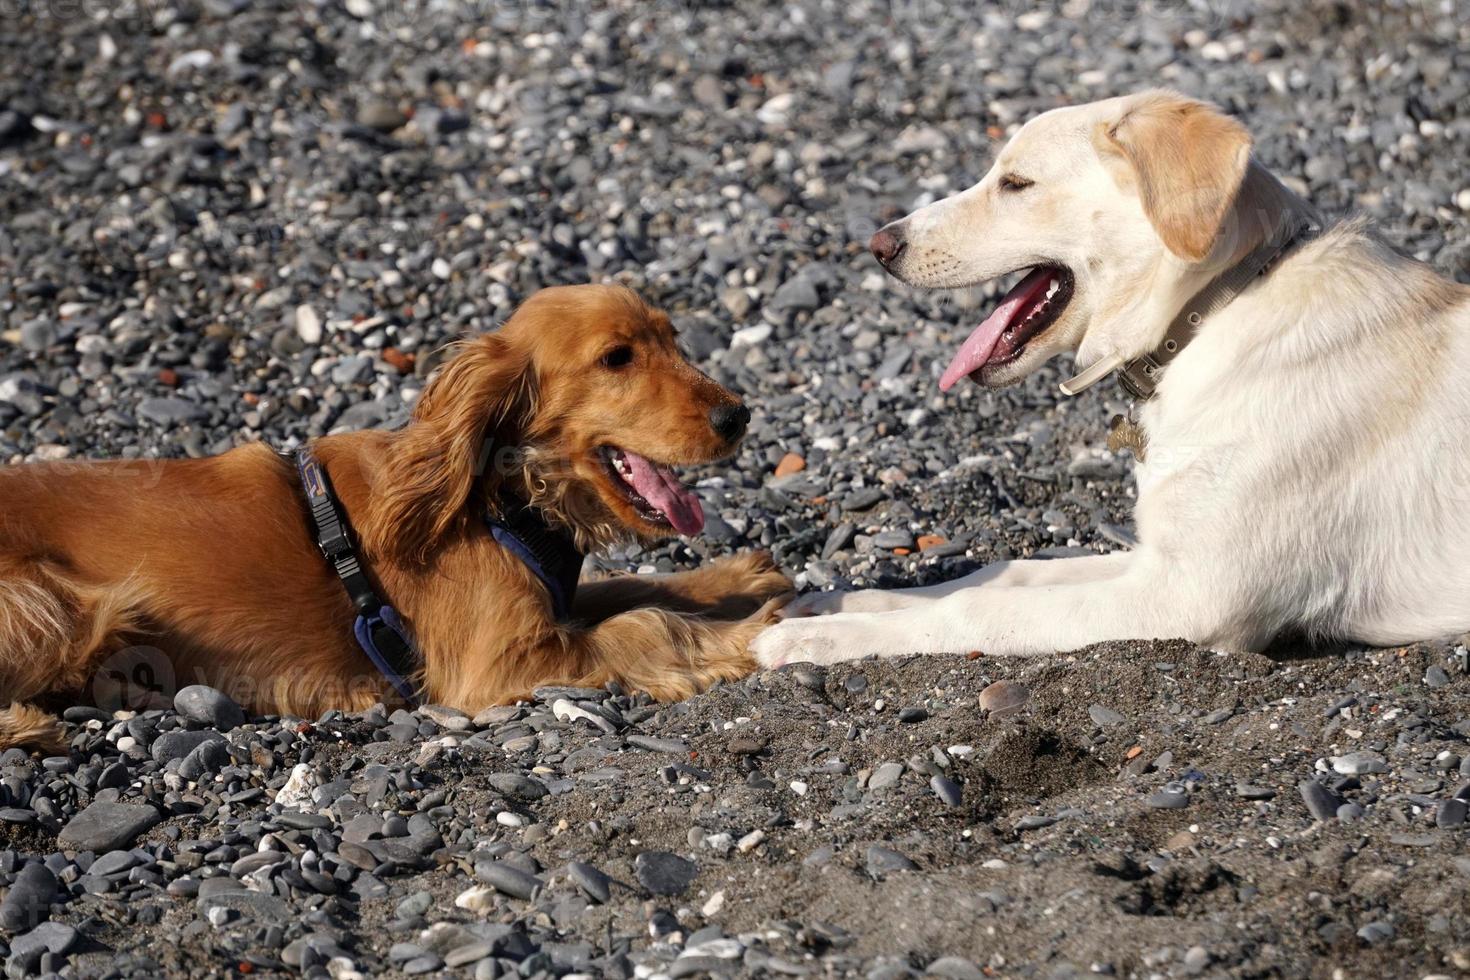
column 976, row 349
column 658, row 485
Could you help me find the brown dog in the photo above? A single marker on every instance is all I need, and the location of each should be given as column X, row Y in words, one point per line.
column 577, row 407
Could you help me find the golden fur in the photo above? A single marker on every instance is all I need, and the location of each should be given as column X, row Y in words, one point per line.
column 1188, row 161
column 207, row 570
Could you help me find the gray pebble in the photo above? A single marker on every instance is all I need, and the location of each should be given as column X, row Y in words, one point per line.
column 56, row 938
column 1376, row 932
column 1451, row 813
column 597, row 885
column 1321, row 802
column 886, row 775
column 946, row 789
column 1036, row 821
column 663, row 873
column 882, row 860
column 1172, row 797
column 1004, row 699
column 105, row 826
column 28, row 901
column 516, row 786
column 209, row 707
column 177, row 745
column 672, row 746
column 1359, row 764
column 508, row 879
column 954, row 968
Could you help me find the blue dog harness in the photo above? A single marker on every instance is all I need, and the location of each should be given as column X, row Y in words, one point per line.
column 550, row 554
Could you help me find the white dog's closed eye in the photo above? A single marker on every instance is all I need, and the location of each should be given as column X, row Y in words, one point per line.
column 1294, row 424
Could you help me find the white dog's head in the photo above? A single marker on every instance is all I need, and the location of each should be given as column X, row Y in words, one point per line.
column 1120, row 210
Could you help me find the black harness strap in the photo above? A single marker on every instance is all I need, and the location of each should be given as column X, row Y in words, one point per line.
column 378, row 629
column 551, row 554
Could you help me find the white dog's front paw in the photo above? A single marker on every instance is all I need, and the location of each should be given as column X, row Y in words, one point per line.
column 818, row 641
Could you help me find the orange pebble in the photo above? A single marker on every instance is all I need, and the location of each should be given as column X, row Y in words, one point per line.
column 401, row 362
column 790, row 463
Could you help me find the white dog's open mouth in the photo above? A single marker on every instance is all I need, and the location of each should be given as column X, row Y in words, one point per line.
column 1031, row 306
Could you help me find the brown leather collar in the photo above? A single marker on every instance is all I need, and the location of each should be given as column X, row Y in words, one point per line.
column 1140, row 376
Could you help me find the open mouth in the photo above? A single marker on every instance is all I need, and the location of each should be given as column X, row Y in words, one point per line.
column 653, row 491
column 1032, row 305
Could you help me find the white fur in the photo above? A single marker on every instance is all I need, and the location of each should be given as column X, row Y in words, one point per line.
column 1308, row 463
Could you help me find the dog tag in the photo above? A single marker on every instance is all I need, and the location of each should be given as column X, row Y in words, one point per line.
column 1124, row 433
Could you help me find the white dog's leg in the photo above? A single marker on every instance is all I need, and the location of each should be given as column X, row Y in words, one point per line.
column 996, row 621
column 1001, row 574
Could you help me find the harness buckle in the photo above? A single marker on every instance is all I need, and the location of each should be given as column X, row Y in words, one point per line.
column 335, row 544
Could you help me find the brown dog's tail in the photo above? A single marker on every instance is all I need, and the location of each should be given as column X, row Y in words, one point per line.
column 26, row 726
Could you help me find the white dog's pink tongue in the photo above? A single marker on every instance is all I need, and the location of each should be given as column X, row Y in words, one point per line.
column 660, row 487
column 976, row 350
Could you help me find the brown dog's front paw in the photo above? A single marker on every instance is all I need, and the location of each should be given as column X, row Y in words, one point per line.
column 738, row 586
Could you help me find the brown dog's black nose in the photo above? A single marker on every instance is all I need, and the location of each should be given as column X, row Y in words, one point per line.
column 886, row 245
column 729, row 421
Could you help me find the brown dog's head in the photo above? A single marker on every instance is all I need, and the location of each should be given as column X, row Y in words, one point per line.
column 580, row 405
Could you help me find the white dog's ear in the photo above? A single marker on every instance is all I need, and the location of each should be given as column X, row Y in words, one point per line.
column 1188, row 160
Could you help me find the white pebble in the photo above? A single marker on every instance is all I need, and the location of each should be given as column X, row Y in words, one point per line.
column 751, row 336
column 477, row 898
column 296, row 793
column 191, row 60
column 720, row 949
column 341, row 968
column 714, row 905
column 776, row 110
column 565, row 710
column 308, row 325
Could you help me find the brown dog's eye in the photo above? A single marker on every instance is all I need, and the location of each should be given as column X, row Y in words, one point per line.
column 1015, row 182
column 618, row 357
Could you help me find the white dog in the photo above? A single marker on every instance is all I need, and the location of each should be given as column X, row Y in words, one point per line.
column 1302, row 414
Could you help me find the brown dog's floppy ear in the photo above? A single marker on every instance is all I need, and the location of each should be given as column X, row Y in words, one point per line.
column 1189, row 160
column 477, row 404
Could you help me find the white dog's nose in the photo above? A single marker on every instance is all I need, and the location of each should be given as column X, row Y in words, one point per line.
column 886, row 244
